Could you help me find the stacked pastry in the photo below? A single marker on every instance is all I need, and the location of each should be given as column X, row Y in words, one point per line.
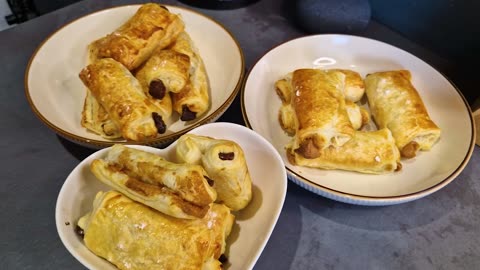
column 166, row 215
column 139, row 74
column 319, row 109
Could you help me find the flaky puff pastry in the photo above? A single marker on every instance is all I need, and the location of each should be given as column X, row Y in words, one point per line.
column 372, row 152
column 96, row 119
column 357, row 115
column 354, row 85
column 395, row 104
column 167, row 68
column 152, row 27
column 321, row 118
column 122, row 97
column 194, row 99
column 225, row 164
column 133, row 236
column 178, row 190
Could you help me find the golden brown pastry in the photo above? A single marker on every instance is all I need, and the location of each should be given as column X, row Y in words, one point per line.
column 225, row 164
column 372, row 152
column 395, row 104
column 287, row 119
column 133, row 236
column 165, row 71
column 354, row 85
column 178, row 190
column 122, row 97
column 194, row 99
column 96, row 119
column 357, row 115
column 320, row 112
column 152, row 27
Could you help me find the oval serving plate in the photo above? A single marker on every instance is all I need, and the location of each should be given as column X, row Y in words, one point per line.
column 56, row 94
column 420, row 176
column 253, row 225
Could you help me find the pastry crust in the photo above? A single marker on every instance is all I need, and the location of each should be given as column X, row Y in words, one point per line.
column 122, row 97
column 372, row 152
column 96, row 119
column 179, row 190
column 225, row 164
column 357, row 115
column 169, row 67
column 354, row 85
column 193, row 100
column 320, row 111
column 135, row 237
column 395, row 104
column 152, row 27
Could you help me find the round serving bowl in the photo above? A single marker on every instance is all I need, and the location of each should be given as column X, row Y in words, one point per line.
column 253, row 224
column 56, row 94
column 420, row 176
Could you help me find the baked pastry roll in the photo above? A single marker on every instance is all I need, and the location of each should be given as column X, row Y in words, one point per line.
column 165, row 71
column 96, row 119
column 371, row 152
column 152, row 27
column 122, row 97
column 354, row 85
column 320, row 111
column 194, row 99
column 225, row 164
column 133, row 236
column 395, row 104
column 357, row 115
column 178, row 190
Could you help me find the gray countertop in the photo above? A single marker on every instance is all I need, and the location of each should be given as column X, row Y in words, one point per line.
column 437, row 232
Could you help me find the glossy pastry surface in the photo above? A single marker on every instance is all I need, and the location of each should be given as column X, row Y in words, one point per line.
column 179, row 190
column 122, row 97
column 193, row 100
column 320, row 111
column 169, row 67
column 152, row 27
column 136, row 237
column 371, row 152
column 395, row 104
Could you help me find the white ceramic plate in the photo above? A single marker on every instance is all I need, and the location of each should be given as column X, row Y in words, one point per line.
column 56, row 94
column 254, row 224
column 420, row 176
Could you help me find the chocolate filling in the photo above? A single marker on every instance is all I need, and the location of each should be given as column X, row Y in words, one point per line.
column 157, row 89
column 187, row 115
column 210, row 181
column 226, row 156
column 159, row 124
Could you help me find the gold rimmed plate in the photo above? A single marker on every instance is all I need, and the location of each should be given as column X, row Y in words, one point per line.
column 420, row 176
column 56, row 94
